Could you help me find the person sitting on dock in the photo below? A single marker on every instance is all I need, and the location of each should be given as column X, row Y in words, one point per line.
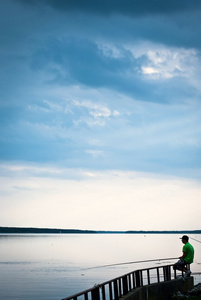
column 187, row 257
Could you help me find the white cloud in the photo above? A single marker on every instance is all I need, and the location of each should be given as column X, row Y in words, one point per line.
column 107, row 200
column 95, row 114
column 116, row 113
column 96, row 110
column 166, row 62
column 21, row 168
column 149, row 70
column 172, row 62
column 110, row 50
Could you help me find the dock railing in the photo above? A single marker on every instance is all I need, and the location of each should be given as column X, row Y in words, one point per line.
column 116, row 288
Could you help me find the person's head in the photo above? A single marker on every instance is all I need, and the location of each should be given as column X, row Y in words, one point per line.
column 184, row 239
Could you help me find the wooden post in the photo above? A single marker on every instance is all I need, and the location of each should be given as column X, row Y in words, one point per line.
column 95, row 295
column 125, row 285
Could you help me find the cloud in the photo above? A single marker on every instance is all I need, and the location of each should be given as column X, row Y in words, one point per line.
column 124, row 132
column 168, row 63
column 172, row 23
column 101, row 53
column 95, row 109
column 98, row 114
column 126, row 7
column 45, row 201
column 81, row 62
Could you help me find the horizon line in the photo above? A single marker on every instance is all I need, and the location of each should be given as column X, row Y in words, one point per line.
column 10, row 229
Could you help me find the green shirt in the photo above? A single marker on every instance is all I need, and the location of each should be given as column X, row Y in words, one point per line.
column 189, row 250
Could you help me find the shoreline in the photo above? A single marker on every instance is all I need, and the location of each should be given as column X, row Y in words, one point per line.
column 80, row 231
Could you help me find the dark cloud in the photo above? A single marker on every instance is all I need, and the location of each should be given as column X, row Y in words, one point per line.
column 80, row 61
column 126, row 7
column 79, row 55
column 172, row 23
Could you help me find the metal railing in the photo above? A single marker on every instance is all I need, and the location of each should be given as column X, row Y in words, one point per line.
column 121, row 286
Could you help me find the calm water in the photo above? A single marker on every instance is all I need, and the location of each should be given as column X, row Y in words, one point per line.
column 51, row 267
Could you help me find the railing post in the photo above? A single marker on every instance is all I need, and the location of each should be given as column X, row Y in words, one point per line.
column 110, row 290
column 95, row 295
column 125, row 285
column 137, row 278
column 166, row 272
column 158, row 275
column 141, row 277
column 129, row 282
column 116, row 297
column 133, row 276
column 86, row 296
column 103, row 292
column 119, row 284
column 148, row 276
column 169, row 272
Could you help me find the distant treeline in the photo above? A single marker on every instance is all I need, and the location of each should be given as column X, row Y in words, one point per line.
column 166, row 231
column 41, row 230
column 78, row 231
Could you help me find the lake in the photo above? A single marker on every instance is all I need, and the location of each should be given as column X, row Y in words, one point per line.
column 54, row 266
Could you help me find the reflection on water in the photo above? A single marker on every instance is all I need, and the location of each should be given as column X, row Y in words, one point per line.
column 51, row 267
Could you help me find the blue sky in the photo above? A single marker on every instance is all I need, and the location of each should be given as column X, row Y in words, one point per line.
column 100, row 114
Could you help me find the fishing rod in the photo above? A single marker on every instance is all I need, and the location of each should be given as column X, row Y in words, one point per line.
column 135, row 262
column 195, row 240
column 130, row 262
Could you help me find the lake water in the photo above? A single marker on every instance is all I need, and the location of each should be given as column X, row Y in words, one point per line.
column 51, row 267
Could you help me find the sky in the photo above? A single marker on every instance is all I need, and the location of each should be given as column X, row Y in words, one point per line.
column 100, row 105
